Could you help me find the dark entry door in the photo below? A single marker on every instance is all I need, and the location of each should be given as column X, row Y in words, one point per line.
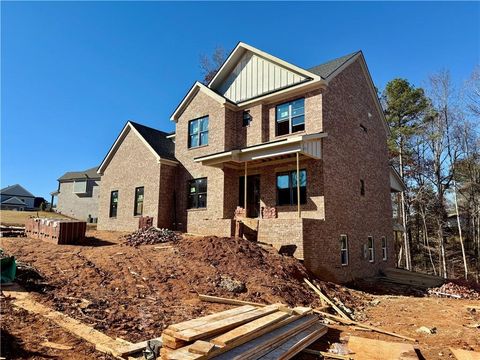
column 253, row 195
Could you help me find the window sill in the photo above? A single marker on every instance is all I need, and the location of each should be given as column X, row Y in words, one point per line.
column 197, row 147
column 197, row 209
column 303, row 132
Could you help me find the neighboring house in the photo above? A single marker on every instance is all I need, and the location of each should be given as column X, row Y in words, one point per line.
column 138, row 179
column 260, row 136
column 77, row 194
column 16, row 197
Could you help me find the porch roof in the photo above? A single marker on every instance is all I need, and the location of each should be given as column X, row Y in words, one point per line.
column 308, row 145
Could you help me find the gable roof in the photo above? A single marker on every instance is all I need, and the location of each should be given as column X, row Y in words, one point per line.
column 326, row 69
column 155, row 140
column 13, row 201
column 16, row 190
column 85, row 174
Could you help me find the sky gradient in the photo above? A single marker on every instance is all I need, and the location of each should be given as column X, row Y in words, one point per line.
column 72, row 73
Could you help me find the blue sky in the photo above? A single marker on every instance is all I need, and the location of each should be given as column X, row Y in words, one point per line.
column 72, row 73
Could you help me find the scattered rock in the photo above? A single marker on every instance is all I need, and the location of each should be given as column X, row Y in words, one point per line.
column 150, row 236
column 232, row 285
column 374, row 302
column 426, row 330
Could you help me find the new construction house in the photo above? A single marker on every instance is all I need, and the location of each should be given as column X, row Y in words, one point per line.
column 298, row 156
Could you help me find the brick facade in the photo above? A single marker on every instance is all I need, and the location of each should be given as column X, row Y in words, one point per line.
column 132, row 166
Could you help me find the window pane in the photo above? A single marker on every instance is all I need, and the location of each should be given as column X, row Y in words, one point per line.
column 202, row 200
column 192, row 201
column 298, row 107
column 283, row 128
column 282, row 181
column 204, row 124
column 193, row 140
column 298, row 120
column 204, row 138
column 282, row 111
column 202, row 185
column 344, row 257
column 303, row 178
column 296, row 128
column 283, row 196
column 193, row 127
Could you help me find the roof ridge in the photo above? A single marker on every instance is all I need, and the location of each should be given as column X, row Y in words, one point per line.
column 134, row 123
column 327, row 68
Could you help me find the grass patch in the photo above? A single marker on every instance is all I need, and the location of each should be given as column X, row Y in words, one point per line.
column 10, row 217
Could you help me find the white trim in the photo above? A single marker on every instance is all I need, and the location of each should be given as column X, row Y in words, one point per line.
column 198, row 86
column 384, row 255
column 168, row 162
column 123, row 134
column 346, row 249
column 373, row 249
column 171, row 136
column 238, row 52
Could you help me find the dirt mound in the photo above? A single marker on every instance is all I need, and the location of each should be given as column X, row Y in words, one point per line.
column 150, row 236
column 134, row 292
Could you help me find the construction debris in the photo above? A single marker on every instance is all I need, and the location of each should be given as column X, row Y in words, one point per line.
column 426, row 330
column 461, row 354
column 369, row 349
column 12, row 231
column 245, row 332
column 412, row 278
column 150, row 236
column 455, row 290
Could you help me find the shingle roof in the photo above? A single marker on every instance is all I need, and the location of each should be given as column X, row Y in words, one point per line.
column 326, row 69
column 16, row 190
column 165, row 148
column 73, row 175
column 13, row 201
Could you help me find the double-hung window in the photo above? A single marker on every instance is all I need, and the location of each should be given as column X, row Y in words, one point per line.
column 197, row 193
column 198, row 132
column 344, row 249
column 371, row 249
column 138, row 206
column 287, row 187
column 113, row 203
column 290, row 117
column 384, row 248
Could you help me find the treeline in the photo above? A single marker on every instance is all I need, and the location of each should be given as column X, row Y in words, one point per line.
column 435, row 146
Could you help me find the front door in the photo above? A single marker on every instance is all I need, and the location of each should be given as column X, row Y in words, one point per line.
column 253, row 195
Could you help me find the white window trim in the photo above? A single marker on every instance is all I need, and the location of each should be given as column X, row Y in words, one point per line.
column 346, row 249
column 384, row 248
column 372, row 260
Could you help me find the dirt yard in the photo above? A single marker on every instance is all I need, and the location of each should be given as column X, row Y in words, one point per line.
column 10, row 217
column 133, row 293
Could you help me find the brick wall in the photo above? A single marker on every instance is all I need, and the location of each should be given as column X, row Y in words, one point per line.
column 350, row 154
column 280, row 232
column 78, row 206
column 214, row 227
column 133, row 165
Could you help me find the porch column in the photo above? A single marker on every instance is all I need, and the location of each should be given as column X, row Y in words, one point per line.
column 298, row 186
column 245, row 190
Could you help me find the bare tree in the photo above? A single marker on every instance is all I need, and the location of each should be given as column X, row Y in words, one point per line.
column 209, row 65
column 473, row 92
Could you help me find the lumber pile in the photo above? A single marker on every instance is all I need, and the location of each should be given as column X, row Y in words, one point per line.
column 244, row 332
column 12, row 231
column 150, row 236
column 405, row 277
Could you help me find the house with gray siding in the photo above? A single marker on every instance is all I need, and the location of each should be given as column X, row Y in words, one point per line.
column 16, row 197
column 77, row 194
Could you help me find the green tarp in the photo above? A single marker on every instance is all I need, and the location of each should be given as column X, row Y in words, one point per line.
column 8, row 269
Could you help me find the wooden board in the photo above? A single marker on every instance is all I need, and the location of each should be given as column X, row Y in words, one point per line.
column 215, row 327
column 268, row 341
column 461, row 354
column 201, row 347
column 369, row 349
column 171, row 342
column 249, row 328
column 220, row 300
column 327, row 299
column 102, row 342
column 207, row 319
column 296, row 343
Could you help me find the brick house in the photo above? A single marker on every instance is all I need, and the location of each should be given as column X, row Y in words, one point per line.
column 264, row 134
column 138, row 178
column 77, row 194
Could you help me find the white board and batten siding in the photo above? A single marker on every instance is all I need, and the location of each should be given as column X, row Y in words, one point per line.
column 254, row 76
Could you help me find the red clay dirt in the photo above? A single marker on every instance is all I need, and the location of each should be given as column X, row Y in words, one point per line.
column 134, row 292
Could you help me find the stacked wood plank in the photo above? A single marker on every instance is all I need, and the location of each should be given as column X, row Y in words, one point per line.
column 245, row 332
column 400, row 276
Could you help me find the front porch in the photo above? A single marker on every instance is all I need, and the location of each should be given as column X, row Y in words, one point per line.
column 270, row 191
